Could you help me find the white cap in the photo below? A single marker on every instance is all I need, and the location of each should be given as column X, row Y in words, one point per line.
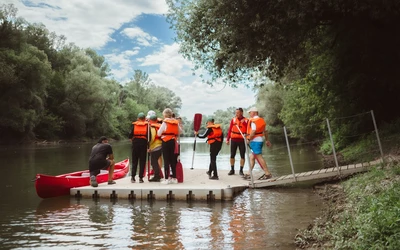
column 150, row 113
column 252, row 109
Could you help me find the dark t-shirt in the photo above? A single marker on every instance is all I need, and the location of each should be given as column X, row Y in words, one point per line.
column 98, row 156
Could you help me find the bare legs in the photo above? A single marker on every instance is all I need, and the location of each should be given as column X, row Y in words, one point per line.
column 261, row 161
column 111, row 170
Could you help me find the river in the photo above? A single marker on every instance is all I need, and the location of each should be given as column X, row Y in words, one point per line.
column 255, row 219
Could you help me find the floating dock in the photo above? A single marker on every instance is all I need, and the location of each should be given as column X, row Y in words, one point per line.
column 196, row 187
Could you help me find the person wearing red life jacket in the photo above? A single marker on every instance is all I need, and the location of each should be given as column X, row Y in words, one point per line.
column 256, row 134
column 235, row 139
column 215, row 138
column 139, row 134
column 169, row 132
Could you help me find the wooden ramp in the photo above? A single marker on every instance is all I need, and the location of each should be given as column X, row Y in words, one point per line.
column 316, row 174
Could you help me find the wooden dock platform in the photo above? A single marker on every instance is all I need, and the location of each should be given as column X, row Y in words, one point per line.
column 196, row 186
column 319, row 174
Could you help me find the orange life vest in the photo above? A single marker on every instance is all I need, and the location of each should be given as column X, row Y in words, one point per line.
column 260, row 126
column 235, row 134
column 172, row 130
column 216, row 133
column 140, row 130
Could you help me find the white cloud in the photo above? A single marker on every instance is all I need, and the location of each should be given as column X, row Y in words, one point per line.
column 142, row 38
column 121, row 63
column 197, row 97
column 169, row 61
column 88, row 23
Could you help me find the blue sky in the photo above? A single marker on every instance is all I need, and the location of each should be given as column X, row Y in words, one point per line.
column 134, row 34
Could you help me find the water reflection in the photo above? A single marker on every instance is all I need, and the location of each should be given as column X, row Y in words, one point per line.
column 256, row 219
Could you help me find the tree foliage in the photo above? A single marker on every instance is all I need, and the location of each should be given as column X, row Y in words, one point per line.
column 53, row 90
column 335, row 58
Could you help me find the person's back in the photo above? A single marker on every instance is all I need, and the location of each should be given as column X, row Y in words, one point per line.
column 100, row 152
column 101, row 157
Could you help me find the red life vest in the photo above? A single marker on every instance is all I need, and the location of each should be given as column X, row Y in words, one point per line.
column 260, row 126
column 171, row 131
column 140, row 130
column 216, row 133
column 235, row 134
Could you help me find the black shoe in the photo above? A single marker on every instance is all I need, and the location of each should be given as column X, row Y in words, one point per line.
column 208, row 173
column 111, row 182
column 155, row 179
column 133, row 180
column 214, row 178
column 141, row 180
column 231, row 172
column 241, row 172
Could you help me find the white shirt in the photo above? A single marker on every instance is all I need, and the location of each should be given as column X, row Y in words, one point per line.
column 163, row 127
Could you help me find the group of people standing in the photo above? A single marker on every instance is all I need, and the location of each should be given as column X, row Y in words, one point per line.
column 155, row 138
column 242, row 131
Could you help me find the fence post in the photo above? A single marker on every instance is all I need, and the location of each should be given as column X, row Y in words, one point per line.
column 290, row 156
column 377, row 136
column 333, row 146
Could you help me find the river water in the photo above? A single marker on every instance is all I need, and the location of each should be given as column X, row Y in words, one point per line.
column 255, row 219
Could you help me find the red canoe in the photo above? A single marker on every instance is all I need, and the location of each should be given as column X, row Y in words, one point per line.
column 48, row 186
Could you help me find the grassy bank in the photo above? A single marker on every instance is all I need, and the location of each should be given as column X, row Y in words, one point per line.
column 362, row 212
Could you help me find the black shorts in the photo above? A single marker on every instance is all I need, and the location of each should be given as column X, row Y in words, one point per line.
column 96, row 165
column 235, row 145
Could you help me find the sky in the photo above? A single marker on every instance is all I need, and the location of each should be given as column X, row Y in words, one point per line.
column 134, row 35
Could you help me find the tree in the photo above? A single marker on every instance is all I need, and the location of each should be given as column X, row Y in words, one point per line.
column 239, row 39
column 23, row 83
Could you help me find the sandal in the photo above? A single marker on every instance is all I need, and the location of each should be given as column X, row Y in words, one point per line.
column 261, row 177
column 111, row 182
column 265, row 177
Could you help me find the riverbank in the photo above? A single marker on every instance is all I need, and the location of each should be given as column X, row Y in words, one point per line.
column 361, row 212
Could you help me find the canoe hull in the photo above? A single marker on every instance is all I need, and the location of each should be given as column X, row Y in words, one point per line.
column 48, row 186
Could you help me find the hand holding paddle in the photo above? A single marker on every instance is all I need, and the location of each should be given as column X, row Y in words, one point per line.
column 196, row 127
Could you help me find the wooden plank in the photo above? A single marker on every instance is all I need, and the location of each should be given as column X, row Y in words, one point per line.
column 329, row 170
column 314, row 172
column 282, row 177
column 302, row 174
column 320, row 174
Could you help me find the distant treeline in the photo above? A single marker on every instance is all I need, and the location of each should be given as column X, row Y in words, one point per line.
column 51, row 90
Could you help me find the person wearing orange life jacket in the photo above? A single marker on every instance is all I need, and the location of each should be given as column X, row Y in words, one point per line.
column 215, row 138
column 256, row 133
column 236, row 140
column 139, row 134
column 169, row 132
column 155, row 148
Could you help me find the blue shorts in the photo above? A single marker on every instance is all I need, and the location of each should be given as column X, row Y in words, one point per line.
column 256, row 146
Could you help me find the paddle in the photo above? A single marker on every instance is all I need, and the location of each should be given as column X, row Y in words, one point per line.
column 179, row 167
column 148, row 153
column 248, row 157
column 196, row 127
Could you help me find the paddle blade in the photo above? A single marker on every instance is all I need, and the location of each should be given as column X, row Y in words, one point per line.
column 179, row 172
column 197, row 121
